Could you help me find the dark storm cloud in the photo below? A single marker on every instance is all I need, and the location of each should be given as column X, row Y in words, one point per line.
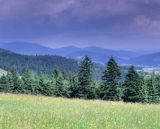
column 29, row 19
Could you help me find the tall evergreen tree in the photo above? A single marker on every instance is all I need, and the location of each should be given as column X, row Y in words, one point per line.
column 157, row 85
column 55, row 72
column 73, row 89
column 85, row 80
column 10, row 83
column 17, row 82
column 46, row 88
column 59, row 89
column 110, row 81
column 52, row 81
column 142, row 90
column 134, row 88
column 29, row 82
column 3, row 83
column 152, row 90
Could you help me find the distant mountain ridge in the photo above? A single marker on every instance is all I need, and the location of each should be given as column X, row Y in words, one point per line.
column 97, row 54
column 147, row 60
column 26, row 48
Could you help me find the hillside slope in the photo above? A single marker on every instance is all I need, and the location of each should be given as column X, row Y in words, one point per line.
column 46, row 63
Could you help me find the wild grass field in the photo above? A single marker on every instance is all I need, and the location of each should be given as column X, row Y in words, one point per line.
column 38, row 112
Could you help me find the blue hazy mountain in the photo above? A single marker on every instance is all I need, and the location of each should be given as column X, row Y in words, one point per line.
column 100, row 55
column 146, row 60
column 26, row 48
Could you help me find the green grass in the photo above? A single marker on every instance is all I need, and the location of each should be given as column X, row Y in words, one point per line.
column 37, row 112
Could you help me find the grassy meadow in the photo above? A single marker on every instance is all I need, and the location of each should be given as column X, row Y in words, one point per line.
column 38, row 112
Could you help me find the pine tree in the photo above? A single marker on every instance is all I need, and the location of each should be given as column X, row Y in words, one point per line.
column 152, row 90
column 3, row 83
column 10, row 83
column 55, row 72
column 17, row 82
column 52, row 83
column 85, row 80
column 157, row 85
column 46, row 88
column 29, row 82
column 59, row 89
column 73, row 89
column 66, row 85
column 134, row 88
column 143, row 93
column 110, row 81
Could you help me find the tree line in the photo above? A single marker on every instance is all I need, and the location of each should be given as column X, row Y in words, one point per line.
column 134, row 88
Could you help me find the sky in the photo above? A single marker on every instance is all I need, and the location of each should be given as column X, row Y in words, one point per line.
column 116, row 24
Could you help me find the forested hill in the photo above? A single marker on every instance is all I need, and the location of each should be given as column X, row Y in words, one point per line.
column 45, row 64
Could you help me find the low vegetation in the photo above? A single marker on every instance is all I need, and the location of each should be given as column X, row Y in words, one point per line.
column 37, row 112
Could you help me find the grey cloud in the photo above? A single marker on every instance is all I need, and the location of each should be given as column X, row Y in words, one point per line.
column 36, row 18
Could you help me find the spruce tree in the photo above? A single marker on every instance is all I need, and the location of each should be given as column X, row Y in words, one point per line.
column 46, row 88
column 29, row 82
column 157, row 85
column 10, row 83
column 35, row 83
column 85, row 80
column 73, row 89
column 55, row 72
column 110, row 81
column 3, row 83
column 152, row 90
column 142, row 90
column 52, row 82
column 59, row 89
column 17, row 82
column 134, row 87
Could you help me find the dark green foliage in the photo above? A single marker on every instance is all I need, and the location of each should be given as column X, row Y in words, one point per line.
column 17, row 86
column 152, row 88
column 134, row 87
column 55, row 72
column 110, row 89
column 46, row 87
column 43, row 64
column 59, row 89
column 4, row 84
column 157, row 85
column 85, row 81
column 73, row 89
column 29, row 82
column 10, row 83
column 52, row 83
column 37, row 64
column 119, row 93
column 143, row 93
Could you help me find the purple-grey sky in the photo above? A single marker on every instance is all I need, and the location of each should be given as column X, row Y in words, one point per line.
column 118, row 24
